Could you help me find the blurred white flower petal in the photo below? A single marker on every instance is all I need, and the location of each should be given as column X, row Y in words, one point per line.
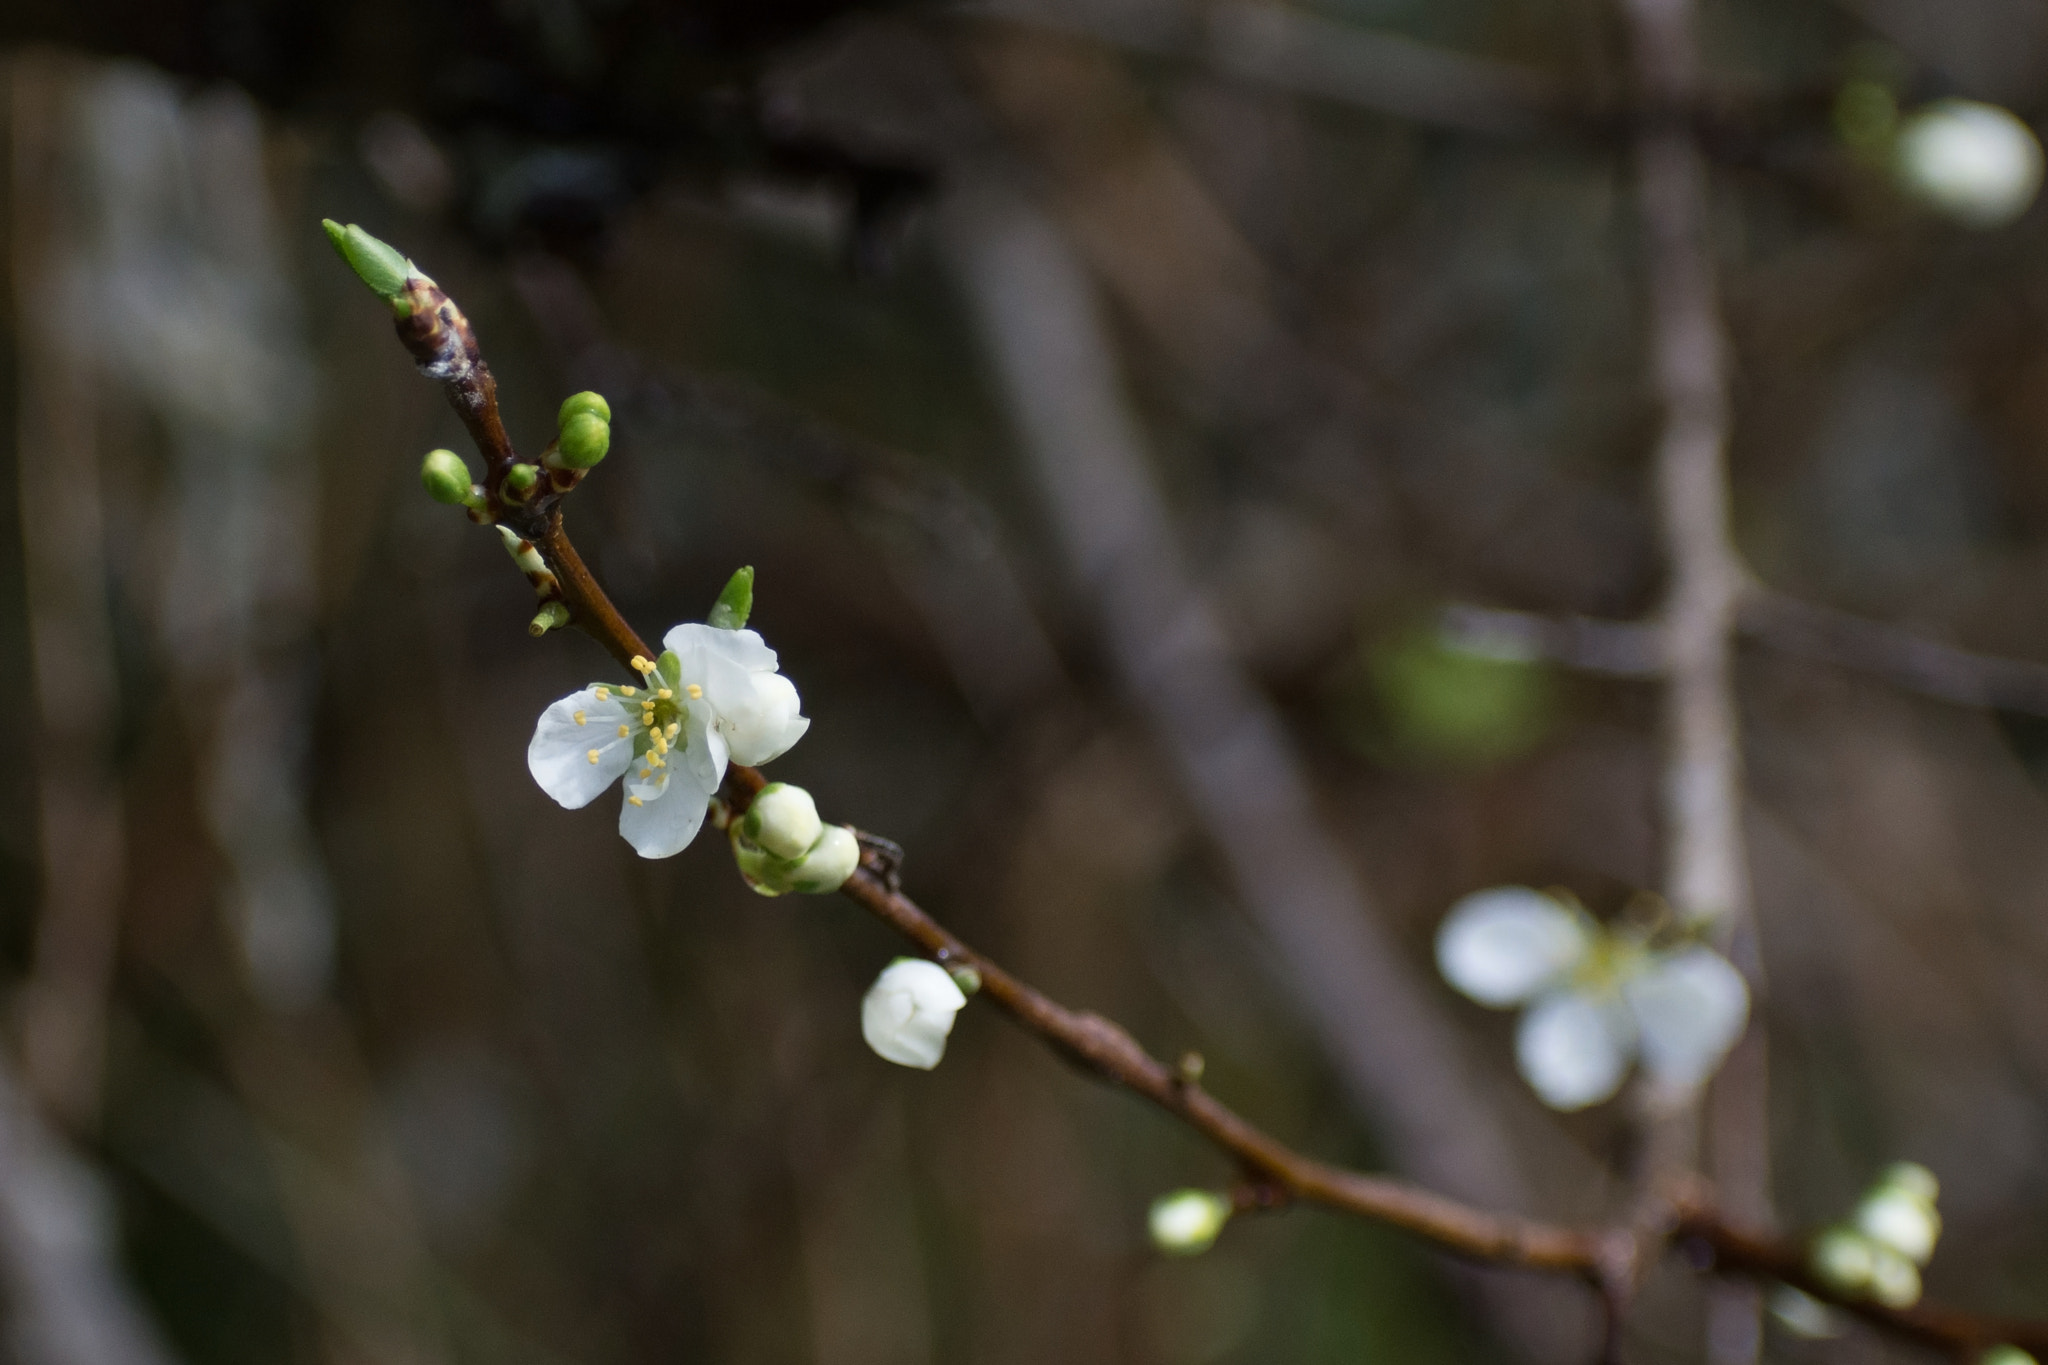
column 1689, row 1010
column 1503, row 946
column 1573, row 1049
column 1975, row 162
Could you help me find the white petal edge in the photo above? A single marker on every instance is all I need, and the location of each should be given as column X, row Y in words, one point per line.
column 767, row 722
column 694, row 641
column 663, row 826
column 1501, row 947
column 1689, row 1010
column 1573, row 1050
column 559, row 754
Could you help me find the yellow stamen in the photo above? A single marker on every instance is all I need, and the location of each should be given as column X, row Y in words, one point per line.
column 665, row 694
column 628, row 691
column 592, row 755
column 646, row 773
column 673, row 726
column 604, row 694
column 625, row 730
column 582, row 716
column 635, row 801
column 641, row 666
column 655, row 761
column 695, row 692
column 660, row 742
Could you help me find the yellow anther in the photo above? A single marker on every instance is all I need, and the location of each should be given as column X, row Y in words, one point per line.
column 660, row 742
column 625, row 730
column 695, row 692
column 665, row 694
column 582, row 716
column 635, row 801
column 656, row 761
column 628, row 691
column 641, row 666
column 604, row 694
column 673, row 726
column 592, row 756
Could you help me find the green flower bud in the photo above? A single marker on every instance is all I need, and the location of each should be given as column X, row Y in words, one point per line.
column 585, row 439
column 736, row 603
column 829, row 863
column 377, row 264
column 582, row 402
column 519, row 481
column 762, row 871
column 783, row 820
column 1186, row 1222
column 446, row 478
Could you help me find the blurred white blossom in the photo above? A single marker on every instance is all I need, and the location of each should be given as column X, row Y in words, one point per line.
column 1892, row 1233
column 1977, row 163
column 909, row 1012
column 1186, row 1222
column 1597, row 999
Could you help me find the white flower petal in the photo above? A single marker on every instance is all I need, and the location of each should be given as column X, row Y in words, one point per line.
column 1899, row 1220
column 909, row 1011
column 694, row 642
column 1572, row 1049
column 763, row 722
column 1501, row 947
column 1975, row 162
column 662, row 826
column 1689, row 1010
column 559, row 754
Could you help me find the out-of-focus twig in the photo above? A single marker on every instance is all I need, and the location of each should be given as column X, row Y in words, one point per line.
column 1706, row 870
column 1303, row 53
column 79, row 801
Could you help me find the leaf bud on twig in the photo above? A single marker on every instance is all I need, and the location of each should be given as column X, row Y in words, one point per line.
column 377, row 264
column 736, row 603
column 551, row 616
column 519, row 482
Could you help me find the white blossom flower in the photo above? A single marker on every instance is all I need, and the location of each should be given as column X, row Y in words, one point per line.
column 1597, row 1000
column 1975, row 162
column 714, row 696
column 909, row 1011
column 1186, row 1222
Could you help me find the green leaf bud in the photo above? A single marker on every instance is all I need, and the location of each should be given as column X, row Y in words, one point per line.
column 736, row 603
column 1186, row 1222
column 446, row 478
column 551, row 616
column 829, row 863
column 783, row 820
column 582, row 402
column 377, row 264
column 670, row 666
column 584, row 441
column 519, row 481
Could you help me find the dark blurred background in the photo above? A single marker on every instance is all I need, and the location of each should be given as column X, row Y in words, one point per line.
column 1019, row 345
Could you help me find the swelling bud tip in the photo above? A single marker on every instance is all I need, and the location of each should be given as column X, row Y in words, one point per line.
column 519, row 481
column 446, row 478
column 736, row 603
column 377, row 264
column 586, row 401
column 783, row 820
column 1186, row 1222
column 585, row 440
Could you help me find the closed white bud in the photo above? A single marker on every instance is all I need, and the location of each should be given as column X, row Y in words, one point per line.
column 909, row 1011
column 1186, row 1222
column 831, row 860
column 1901, row 1220
column 1977, row 163
column 1844, row 1259
column 1894, row 1280
column 1913, row 1178
column 784, row 820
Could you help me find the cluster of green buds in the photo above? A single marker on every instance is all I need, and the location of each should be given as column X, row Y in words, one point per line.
column 1187, row 1222
column 782, row 846
column 1878, row 1252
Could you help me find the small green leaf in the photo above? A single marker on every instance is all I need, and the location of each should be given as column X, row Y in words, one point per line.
column 736, row 603
column 670, row 666
column 377, row 264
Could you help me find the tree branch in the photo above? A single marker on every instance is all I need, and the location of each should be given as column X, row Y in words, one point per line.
column 1274, row 1173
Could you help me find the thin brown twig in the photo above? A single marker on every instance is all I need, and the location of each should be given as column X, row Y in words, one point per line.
column 1274, row 1172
